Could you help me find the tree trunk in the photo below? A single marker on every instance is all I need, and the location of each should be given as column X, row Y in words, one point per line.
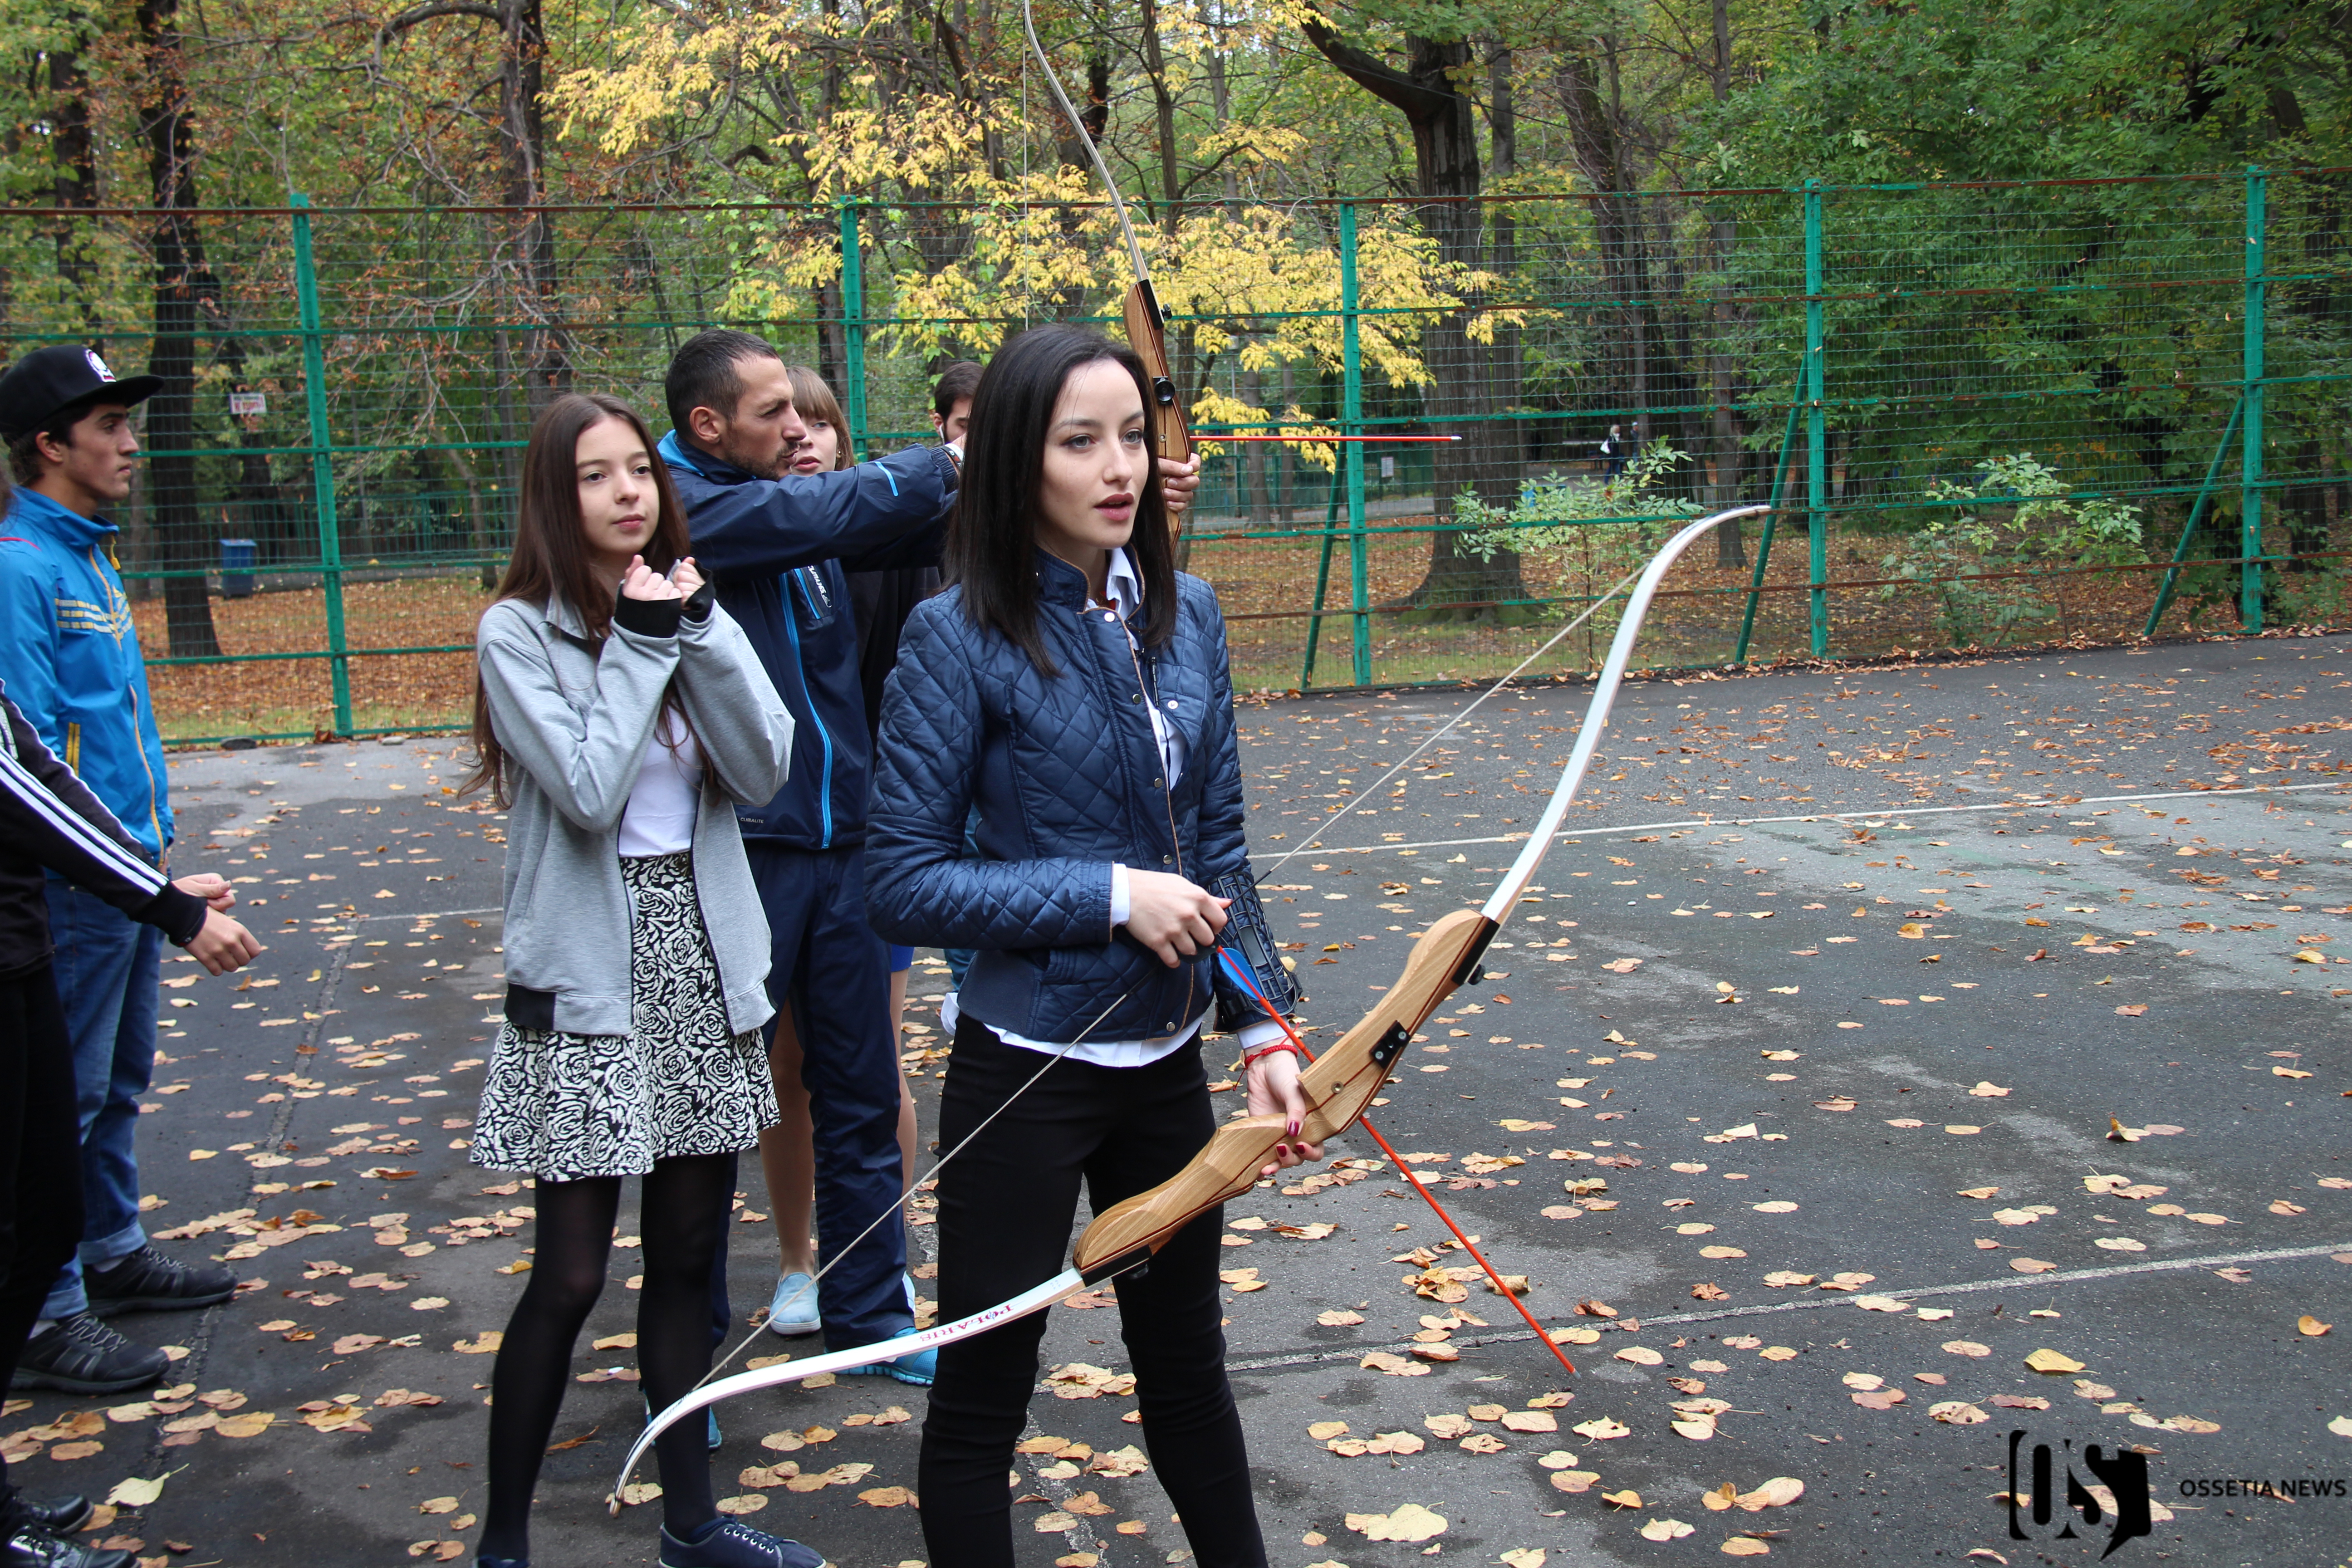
column 1507, row 353
column 1726, row 448
column 164, row 123
column 522, row 153
column 74, row 157
column 1588, row 89
column 1442, row 117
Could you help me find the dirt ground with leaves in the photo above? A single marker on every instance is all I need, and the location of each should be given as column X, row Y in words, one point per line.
column 1959, row 1047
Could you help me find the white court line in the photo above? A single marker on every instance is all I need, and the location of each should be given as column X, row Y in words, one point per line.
column 1813, row 1303
column 1890, row 812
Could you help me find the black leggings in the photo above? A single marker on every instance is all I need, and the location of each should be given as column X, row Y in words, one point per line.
column 683, row 1219
column 1005, row 1209
column 40, row 1168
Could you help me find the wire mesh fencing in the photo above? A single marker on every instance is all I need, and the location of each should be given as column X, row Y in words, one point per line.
column 1983, row 415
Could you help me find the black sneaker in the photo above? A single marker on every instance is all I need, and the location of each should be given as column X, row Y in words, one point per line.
column 81, row 1355
column 33, row 1547
column 731, row 1543
column 146, row 1280
column 59, row 1516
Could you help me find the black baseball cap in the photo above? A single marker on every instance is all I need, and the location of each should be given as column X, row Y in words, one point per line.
column 49, row 379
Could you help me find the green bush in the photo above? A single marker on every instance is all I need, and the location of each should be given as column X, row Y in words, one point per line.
column 2029, row 523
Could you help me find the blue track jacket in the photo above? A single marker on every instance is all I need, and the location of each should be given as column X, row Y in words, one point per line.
column 72, row 655
column 750, row 536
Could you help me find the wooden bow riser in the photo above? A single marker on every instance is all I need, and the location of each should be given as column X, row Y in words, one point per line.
column 1338, row 1087
column 1146, row 333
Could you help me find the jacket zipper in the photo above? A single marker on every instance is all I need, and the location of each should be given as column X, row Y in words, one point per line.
column 1167, row 786
column 824, row 736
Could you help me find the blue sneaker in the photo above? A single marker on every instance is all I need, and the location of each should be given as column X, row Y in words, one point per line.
column 731, row 1543
column 484, row 1560
column 917, row 1367
column 793, row 1311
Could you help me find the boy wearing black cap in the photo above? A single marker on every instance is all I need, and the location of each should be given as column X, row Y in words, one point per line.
column 71, row 653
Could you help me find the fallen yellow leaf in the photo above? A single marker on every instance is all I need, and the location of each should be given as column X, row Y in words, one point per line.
column 1409, row 1522
column 1777, row 1493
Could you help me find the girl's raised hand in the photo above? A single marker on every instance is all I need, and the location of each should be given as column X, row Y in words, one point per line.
column 686, row 577
column 642, row 581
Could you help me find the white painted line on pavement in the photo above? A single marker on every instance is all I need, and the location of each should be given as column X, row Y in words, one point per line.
column 1890, row 812
column 1813, row 1303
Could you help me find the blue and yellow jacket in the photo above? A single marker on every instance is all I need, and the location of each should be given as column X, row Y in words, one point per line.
column 71, row 659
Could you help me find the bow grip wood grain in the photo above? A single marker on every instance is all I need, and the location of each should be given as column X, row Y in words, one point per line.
column 1146, row 334
column 1338, row 1087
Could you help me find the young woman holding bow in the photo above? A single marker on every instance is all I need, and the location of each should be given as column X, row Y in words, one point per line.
column 1073, row 687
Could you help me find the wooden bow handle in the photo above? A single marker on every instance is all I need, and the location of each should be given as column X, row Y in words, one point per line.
column 1337, row 1088
column 1172, row 437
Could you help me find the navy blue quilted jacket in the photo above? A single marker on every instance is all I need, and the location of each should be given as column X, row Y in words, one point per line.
column 1067, row 776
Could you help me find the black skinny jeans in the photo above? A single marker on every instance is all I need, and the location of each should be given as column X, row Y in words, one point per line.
column 40, row 1168
column 1006, row 1205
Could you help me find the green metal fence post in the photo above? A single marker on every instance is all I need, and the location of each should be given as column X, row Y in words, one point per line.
column 853, row 326
column 322, row 460
column 1816, row 466
column 2250, row 466
column 1764, row 545
column 2171, row 584
column 1351, row 414
column 1322, row 582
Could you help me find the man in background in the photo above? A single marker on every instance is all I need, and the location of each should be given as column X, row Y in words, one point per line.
column 778, row 546
column 73, row 664
column 952, row 399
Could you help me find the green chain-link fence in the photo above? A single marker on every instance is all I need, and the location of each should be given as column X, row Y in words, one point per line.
column 1984, row 414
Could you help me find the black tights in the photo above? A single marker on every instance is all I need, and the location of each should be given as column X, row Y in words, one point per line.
column 684, row 1220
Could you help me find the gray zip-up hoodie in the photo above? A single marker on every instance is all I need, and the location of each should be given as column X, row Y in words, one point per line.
column 575, row 726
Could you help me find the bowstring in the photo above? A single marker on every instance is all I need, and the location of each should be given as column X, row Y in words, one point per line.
column 1060, row 1051
column 1239, row 972
column 1439, row 733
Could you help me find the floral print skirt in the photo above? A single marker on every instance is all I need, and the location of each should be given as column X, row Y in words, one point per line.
column 563, row 1106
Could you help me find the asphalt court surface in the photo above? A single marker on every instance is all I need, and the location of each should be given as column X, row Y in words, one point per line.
column 2190, row 864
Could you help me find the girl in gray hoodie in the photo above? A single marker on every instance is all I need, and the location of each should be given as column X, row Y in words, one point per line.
column 620, row 715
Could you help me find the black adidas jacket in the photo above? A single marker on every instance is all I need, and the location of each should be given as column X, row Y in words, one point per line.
column 49, row 821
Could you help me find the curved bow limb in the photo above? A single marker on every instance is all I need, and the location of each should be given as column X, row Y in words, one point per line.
column 1057, row 1289
column 1342, row 1081
column 1146, row 321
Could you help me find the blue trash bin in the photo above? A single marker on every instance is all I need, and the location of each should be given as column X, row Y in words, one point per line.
column 238, row 556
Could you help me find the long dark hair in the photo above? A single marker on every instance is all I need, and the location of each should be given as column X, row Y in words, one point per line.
column 992, row 539
column 550, row 557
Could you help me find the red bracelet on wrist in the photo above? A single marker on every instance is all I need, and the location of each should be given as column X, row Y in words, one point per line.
column 1251, row 1058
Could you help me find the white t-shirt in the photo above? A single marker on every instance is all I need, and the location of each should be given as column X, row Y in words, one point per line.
column 661, row 811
